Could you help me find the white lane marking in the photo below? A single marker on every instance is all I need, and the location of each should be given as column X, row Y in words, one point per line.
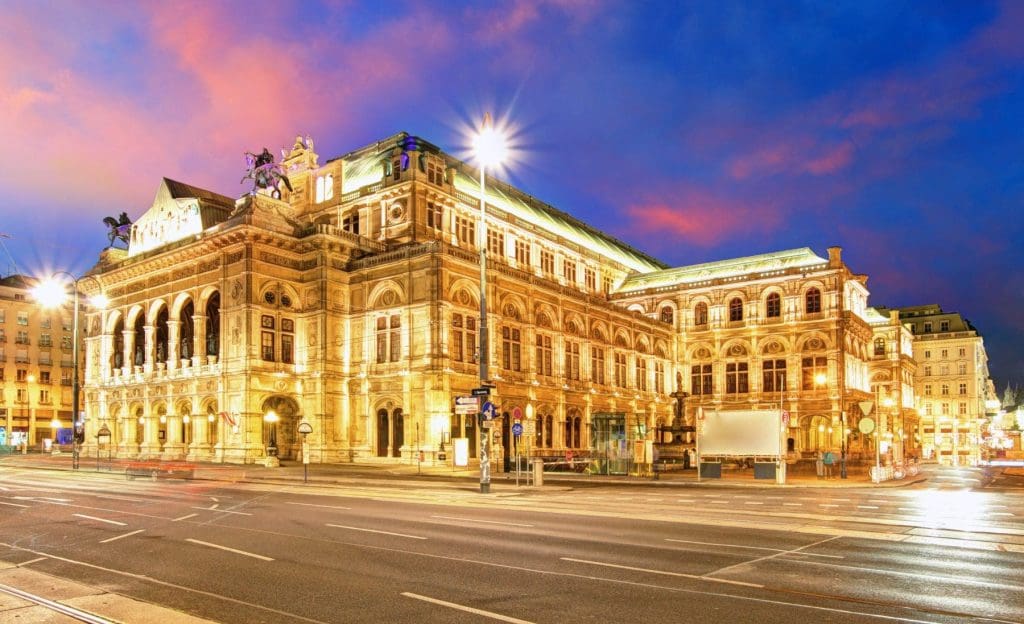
column 721, row 502
column 101, row 519
column 184, row 517
column 827, row 505
column 215, row 499
column 867, row 507
column 883, row 502
column 1000, row 513
column 31, row 561
column 474, row 521
column 792, row 504
column 352, row 528
column 315, row 505
column 234, row 550
column 452, row 605
column 766, row 557
column 214, row 508
column 685, row 500
column 753, row 503
column 662, row 572
column 120, row 498
column 778, row 550
column 13, row 504
column 117, row 537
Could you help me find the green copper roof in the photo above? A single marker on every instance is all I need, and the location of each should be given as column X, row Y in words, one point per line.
column 763, row 263
column 363, row 167
column 874, row 317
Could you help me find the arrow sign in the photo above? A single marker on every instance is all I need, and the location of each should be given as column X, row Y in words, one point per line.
column 489, row 411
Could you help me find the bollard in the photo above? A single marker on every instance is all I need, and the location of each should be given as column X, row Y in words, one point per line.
column 538, row 472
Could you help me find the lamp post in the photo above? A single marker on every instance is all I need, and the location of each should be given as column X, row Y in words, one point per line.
column 489, row 148
column 271, row 418
column 53, row 293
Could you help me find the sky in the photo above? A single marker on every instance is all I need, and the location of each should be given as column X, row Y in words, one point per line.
column 694, row 131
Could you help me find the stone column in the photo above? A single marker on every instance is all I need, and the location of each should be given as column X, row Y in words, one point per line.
column 173, row 329
column 174, row 446
column 150, row 349
column 129, row 349
column 198, row 339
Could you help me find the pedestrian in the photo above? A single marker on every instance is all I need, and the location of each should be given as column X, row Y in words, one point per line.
column 819, row 465
column 827, row 461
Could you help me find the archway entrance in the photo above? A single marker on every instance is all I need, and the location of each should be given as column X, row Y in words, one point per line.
column 390, row 432
column 280, row 425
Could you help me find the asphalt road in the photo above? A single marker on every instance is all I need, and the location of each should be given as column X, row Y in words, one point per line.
column 949, row 550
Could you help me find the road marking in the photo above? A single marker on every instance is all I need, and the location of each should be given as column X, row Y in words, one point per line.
column 663, row 572
column 184, row 517
column 214, row 508
column 31, row 561
column 121, row 498
column 63, row 609
column 315, row 505
column 13, row 504
column 101, row 519
column 352, row 528
column 778, row 550
column 867, row 507
column 117, row 537
column 474, row 521
column 792, row 504
column 766, row 557
column 234, row 550
column 1000, row 513
column 827, row 505
column 753, row 503
column 720, row 502
column 452, row 605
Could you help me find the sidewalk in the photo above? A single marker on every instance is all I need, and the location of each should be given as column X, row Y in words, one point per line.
column 426, row 475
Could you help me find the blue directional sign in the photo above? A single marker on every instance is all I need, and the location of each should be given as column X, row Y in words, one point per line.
column 489, row 411
column 517, row 429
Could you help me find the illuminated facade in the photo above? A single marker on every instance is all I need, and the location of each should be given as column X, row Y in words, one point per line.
column 787, row 328
column 352, row 303
column 36, row 366
column 951, row 384
column 894, row 399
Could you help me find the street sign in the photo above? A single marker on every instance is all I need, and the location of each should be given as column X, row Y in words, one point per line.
column 479, row 392
column 531, row 427
column 467, row 405
column 305, row 428
column 489, row 411
column 517, row 429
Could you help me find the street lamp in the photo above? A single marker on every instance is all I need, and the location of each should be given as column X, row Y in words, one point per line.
column 55, row 426
column 53, row 293
column 489, row 146
column 271, row 418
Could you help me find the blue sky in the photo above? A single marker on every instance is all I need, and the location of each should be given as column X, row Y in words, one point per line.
column 694, row 131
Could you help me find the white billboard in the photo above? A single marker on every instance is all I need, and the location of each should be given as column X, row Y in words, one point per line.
column 740, row 432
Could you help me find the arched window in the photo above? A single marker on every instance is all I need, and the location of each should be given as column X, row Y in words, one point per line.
column 813, row 298
column 117, row 359
column 700, row 314
column 879, row 346
column 139, row 355
column 213, row 325
column 773, row 306
column 161, row 336
column 736, row 309
column 186, row 331
column 666, row 314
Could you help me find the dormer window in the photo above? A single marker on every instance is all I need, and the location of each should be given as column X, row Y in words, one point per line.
column 324, row 188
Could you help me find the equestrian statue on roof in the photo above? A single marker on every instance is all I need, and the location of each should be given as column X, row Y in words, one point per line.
column 120, row 229
column 265, row 173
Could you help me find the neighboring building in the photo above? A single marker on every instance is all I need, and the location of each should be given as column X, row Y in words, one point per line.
column 785, row 328
column 894, row 403
column 353, row 303
column 952, row 383
column 36, row 366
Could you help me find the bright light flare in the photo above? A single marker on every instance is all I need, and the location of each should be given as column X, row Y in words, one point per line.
column 490, row 145
column 820, row 379
column 51, row 293
column 100, row 301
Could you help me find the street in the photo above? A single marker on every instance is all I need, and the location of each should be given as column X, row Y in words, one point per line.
column 950, row 549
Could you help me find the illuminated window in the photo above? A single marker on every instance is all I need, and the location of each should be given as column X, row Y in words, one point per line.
column 287, row 340
column 736, row 310
column 590, row 279
column 606, row 284
column 435, row 216
column 396, row 169
column 641, row 374
column 569, row 272
column 927, row 409
column 22, row 318
column 324, row 188
column 547, row 262
column 496, row 243
column 773, row 306
column 511, row 349
column 267, row 346
column 811, row 367
column 736, row 378
column 879, row 346
column 465, row 231
column 620, row 369
column 463, row 338
column 813, row 300
column 389, row 338
column 522, row 253
column 700, row 314
column 963, row 389
column 572, row 360
column 945, row 409
column 700, row 379
column 597, row 365
column 21, row 374
column 544, row 366
column 667, row 314
column 773, row 375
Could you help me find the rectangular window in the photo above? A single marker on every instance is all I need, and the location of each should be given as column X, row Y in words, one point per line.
column 569, row 272
column 620, row 370
column 547, row 262
column 396, row 169
column 927, row 371
column 435, row 173
column 45, row 323
column 659, row 377
column 22, row 338
column 961, row 368
column 544, row 355
column 22, row 395
column 44, row 377
column 597, row 365
column 927, row 409
column 641, row 374
column 943, row 326
column 928, row 327
column 324, row 188
column 435, row 216
column 457, row 336
column 3, row 335
column 963, row 352
column 522, row 253
column 45, row 340
column 396, row 337
column 44, row 396
column 700, row 379
column 963, row 408
column 572, row 360
column 267, row 346
column 945, row 409
column 44, row 358
column 21, row 374
column 511, row 349
column 287, row 341
column 963, row 389
column 773, row 375
column 65, row 343
column 736, row 381
column 811, row 367
column 606, row 284
column 496, row 243
column 590, row 279
column 465, row 231
column 382, row 339
column 944, row 388
column 22, row 318
column 351, row 223
column 927, row 354
column 927, row 389
column 944, row 353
